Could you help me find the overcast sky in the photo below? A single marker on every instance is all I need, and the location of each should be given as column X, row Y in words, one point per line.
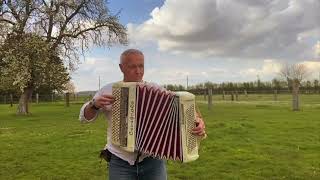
column 210, row 40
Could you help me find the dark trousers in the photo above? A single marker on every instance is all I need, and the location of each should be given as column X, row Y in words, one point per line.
column 148, row 169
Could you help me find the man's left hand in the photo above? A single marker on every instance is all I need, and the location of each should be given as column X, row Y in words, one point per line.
column 199, row 130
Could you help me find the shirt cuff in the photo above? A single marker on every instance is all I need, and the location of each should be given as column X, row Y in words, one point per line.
column 82, row 118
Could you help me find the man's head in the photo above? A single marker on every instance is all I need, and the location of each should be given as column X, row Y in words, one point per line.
column 132, row 65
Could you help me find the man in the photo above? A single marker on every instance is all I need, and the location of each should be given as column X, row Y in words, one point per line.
column 123, row 164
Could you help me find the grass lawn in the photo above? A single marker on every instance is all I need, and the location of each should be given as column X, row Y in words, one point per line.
column 260, row 140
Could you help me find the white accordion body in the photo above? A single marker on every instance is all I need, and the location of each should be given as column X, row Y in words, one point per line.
column 154, row 122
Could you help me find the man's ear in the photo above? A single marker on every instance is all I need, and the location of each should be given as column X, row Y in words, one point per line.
column 121, row 67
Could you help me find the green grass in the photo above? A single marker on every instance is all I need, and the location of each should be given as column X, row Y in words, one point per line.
column 246, row 140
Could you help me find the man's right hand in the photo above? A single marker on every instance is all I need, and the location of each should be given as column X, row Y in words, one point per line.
column 103, row 100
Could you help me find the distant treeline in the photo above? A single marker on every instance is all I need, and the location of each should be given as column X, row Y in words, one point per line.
column 253, row 86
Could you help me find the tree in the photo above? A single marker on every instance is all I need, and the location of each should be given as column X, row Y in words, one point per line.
column 67, row 27
column 70, row 87
column 294, row 74
column 28, row 63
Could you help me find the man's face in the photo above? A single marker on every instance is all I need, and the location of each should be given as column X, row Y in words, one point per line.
column 133, row 68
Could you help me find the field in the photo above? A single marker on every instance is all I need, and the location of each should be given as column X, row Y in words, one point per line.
column 254, row 138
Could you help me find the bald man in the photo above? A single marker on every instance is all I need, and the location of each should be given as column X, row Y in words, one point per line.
column 123, row 164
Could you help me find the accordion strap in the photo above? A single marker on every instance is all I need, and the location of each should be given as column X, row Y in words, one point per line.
column 137, row 159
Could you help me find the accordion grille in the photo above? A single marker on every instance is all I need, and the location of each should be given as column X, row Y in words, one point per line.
column 123, row 116
column 191, row 139
column 116, row 116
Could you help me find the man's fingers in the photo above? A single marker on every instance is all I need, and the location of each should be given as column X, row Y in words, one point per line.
column 197, row 128
column 200, row 127
column 108, row 96
column 105, row 100
column 105, row 103
column 199, row 133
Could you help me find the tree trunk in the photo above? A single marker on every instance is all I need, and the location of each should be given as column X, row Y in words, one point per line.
column 295, row 96
column 23, row 107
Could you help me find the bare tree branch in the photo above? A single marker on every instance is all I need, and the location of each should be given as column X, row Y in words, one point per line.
column 69, row 27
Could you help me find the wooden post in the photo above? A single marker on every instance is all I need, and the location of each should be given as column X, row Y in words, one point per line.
column 236, row 95
column 275, row 95
column 11, row 100
column 37, row 98
column 209, row 99
column 67, row 99
column 223, row 95
column 295, row 96
column 232, row 96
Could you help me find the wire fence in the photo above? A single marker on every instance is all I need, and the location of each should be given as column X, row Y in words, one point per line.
column 266, row 95
column 257, row 97
column 46, row 98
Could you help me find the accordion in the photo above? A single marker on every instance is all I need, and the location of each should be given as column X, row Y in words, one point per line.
column 154, row 122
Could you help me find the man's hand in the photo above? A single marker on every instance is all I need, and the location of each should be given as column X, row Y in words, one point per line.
column 200, row 126
column 99, row 102
column 103, row 100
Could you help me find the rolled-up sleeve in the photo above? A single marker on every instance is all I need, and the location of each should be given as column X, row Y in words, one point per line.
column 82, row 118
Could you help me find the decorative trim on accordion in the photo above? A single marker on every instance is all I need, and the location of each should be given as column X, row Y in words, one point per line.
column 153, row 121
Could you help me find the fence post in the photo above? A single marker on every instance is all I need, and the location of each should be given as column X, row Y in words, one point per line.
column 275, row 95
column 223, row 95
column 37, row 98
column 11, row 100
column 210, row 99
column 295, row 96
column 236, row 95
column 67, row 99
column 232, row 96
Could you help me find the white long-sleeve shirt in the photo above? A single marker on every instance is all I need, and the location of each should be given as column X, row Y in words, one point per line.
column 127, row 156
